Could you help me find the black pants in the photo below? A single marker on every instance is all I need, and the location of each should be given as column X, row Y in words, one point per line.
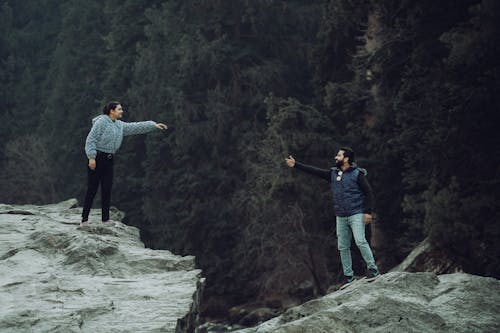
column 102, row 174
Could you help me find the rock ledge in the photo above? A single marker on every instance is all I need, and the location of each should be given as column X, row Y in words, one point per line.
column 58, row 277
column 398, row 302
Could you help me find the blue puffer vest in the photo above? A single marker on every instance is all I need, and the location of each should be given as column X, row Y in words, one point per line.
column 348, row 198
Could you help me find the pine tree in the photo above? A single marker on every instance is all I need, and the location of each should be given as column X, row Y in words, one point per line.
column 74, row 82
column 26, row 45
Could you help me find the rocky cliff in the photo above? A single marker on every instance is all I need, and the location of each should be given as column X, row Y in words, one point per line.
column 398, row 302
column 58, row 277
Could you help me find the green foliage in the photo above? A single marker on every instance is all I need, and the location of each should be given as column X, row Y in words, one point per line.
column 207, row 71
column 412, row 86
column 27, row 161
column 285, row 234
column 465, row 225
column 121, row 49
column 72, row 93
column 26, row 45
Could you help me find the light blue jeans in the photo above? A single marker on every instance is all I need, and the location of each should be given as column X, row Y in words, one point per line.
column 346, row 228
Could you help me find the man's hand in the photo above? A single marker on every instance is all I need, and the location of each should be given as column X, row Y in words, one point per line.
column 290, row 161
column 368, row 218
column 92, row 163
column 161, row 126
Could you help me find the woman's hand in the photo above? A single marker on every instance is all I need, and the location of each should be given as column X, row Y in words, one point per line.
column 161, row 126
column 92, row 163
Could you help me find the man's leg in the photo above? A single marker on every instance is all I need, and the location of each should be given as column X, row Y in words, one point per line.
column 93, row 177
column 344, row 237
column 358, row 230
column 106, row 184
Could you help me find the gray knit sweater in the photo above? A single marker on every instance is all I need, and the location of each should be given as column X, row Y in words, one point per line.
column 106, row 135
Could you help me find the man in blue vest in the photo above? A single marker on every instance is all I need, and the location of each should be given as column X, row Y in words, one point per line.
column 352, row 201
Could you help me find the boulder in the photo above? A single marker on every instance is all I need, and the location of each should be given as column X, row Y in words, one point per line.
column 58, row 277
column 398, row 302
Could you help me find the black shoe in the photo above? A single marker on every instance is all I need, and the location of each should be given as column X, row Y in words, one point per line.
column 373, row 273
column 349, row 279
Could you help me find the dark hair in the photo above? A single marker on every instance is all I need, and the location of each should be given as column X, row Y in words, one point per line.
column 348, row 152
column 110, row 106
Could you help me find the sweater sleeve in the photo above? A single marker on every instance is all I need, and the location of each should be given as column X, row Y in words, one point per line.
column 322, row 173
column 367, row 190
column 92, row 138
column 140, row 127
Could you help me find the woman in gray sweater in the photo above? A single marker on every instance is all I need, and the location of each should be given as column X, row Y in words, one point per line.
column 102, row 142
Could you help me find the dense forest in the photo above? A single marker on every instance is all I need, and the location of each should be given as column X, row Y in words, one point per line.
column 412, row 86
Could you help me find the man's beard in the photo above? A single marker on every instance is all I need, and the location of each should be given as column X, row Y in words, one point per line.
column 338, row 164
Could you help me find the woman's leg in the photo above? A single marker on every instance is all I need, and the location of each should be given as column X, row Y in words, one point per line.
column 106, row 184
column 93, row 177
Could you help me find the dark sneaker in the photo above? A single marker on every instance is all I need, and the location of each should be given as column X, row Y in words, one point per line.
column 372, row 273
column 348, row 281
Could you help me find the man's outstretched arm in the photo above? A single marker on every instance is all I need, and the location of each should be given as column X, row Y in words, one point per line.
column 322, row 173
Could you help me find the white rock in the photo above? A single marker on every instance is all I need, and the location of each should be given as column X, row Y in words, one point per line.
column 58, row 277
column 398, row 302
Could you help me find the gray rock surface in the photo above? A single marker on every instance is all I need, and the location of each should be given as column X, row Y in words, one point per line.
column 58, row 277
column 398, row 302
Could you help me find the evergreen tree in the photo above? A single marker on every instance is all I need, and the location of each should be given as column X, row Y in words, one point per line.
column 26, row 45
column 126, row 21
column 74, row 88
column 212, row 66
column 462, row 203
column 288, row 227
column 412, row 86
